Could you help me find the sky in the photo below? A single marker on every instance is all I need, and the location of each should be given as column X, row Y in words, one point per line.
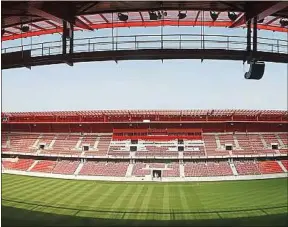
column 173, row 84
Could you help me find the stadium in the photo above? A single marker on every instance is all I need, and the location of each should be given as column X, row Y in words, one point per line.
column 141, row 167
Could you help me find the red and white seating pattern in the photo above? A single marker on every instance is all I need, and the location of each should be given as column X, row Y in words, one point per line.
column 66, row 167
column 65, row 143
column 4, row 139
column 173, row 171
column 205, row 169
column 116, row 169
column 285, row 164
column 45, row 166
column 20, row 164
column 211, row 146
column 47, row 139
column 22, row 142
column 139, row 171
column 269, row 167
column 103, row 145
column 247, row 167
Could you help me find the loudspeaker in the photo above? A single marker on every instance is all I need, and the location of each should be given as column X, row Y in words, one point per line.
column 256, row 71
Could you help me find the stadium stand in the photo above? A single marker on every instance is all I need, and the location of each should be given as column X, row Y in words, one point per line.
column 269, row 167
column 65, row 167
column 247, row 167
column 116, row 169
column 45, row 166
column 17, row 164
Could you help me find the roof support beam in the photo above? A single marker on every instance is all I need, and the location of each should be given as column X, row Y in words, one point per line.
column 51, row 23
column 259, row 10
column 141, row 16
column 104, row 18
column 86, row 19
column 56, row 18
column 36, row 26
column 198, row 13
column 271, row 21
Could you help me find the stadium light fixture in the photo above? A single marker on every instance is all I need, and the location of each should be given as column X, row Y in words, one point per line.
column 122, row 17
column 232, row 16
column 284, row 22
column 182, row 15
column 153, row 15
column 25, row 28
column 214, row 15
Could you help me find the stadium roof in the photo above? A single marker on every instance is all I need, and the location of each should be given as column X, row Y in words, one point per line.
column 226, row 112
column 46, row 17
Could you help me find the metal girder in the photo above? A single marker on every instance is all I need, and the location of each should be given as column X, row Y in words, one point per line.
column 260, row 10
column 58, row 19
column 36, row 26
column 141, row 16
column 86, row 19
column 271, row 21
column 104, row 18
column 51, row 23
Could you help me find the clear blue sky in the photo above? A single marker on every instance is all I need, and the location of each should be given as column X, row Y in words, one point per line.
column 173, row 84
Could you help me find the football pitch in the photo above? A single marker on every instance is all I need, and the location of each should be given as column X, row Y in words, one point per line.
column 33, row 201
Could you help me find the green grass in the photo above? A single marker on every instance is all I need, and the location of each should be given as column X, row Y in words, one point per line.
column 34, row 201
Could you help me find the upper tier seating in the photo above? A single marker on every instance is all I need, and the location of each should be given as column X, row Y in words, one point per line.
column 88, row 139
column 244, row 145
column 116, row 169
column 22, row 142
column 103, row 145
column 4, row 139
column 211, row 146
column 47, row 139
column 65, row 143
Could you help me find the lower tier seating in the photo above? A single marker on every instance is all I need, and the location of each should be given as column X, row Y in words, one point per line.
column 268, row 167
column 66, row 167
column 18, row 164
column 45, row 166
column 247, row 167
column 205, row 169
column 116, row 169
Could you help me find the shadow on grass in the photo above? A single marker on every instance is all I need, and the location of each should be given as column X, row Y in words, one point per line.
column 21, row 217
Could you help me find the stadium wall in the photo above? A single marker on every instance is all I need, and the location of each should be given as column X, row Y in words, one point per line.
column 149, row 178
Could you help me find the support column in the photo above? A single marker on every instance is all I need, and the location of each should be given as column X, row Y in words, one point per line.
column 254, row 35
column 68, row 34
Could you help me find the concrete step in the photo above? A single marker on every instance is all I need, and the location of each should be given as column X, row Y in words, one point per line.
column 233, row 168
column 282, row 166
column 236, row 142
column 52, row 142
column 181, row 168
column 129, row 170
column 79, row 168
column 78, row 143
column 35, row 145
column 263, row 141
column 218, row 141
column 31, row 167
column 280, row 141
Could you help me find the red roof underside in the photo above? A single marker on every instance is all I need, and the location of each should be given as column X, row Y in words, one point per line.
column 137, row 19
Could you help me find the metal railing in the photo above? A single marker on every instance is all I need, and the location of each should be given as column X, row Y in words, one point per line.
column 140, row 42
